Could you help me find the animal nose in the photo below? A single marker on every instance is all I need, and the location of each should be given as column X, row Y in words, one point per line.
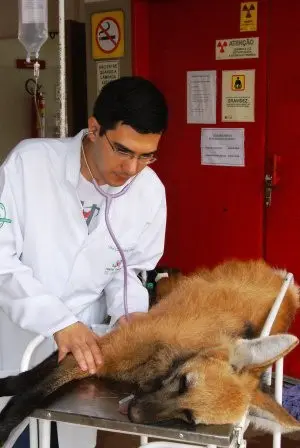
column 135, row 414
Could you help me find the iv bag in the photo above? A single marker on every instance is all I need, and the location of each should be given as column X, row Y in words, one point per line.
column 33, row 25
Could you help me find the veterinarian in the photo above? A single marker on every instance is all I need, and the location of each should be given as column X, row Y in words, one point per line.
column 60, row 269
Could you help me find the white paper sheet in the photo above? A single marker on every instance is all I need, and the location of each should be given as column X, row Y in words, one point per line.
column 107, row 71
column 223, row 147
column 201, row 97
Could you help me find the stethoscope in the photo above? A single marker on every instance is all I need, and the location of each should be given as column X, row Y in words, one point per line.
column 108, row 200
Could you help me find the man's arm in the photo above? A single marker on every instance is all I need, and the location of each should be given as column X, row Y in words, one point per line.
column 23, row 297
column 146, row 255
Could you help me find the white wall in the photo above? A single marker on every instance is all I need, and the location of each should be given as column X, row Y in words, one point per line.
column 74, row 9
column 15, row 102
column 15, row 107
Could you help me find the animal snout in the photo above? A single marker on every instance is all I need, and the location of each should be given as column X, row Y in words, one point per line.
column 135, row 413
column 145, row 410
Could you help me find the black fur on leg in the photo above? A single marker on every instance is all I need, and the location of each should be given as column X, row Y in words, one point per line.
column 21, row 406
column 14, row 385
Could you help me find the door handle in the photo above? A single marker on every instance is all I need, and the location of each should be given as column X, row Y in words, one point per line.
column 268, row 189
column 273, row 179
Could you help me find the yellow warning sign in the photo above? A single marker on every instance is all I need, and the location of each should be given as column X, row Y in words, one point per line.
column 238, row 82
column 108, row 35
column 248, row 20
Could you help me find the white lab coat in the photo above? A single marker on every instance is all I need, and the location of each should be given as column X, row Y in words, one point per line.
column 52, row 272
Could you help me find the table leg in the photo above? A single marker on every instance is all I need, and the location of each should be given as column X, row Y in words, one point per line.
column 44, row 433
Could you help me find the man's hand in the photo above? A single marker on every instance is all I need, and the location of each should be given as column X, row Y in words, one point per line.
column 79, row 340
column 131, row 317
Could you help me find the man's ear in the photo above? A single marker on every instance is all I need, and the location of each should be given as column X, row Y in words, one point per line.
column 267, row 414
column 260, row 353
column 94, row 129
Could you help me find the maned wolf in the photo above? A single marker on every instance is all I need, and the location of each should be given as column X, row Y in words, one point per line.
column 196, row 356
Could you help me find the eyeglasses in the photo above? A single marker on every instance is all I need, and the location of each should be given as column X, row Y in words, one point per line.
column 145, row 159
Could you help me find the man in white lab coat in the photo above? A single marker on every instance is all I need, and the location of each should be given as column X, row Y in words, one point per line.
column 60, row 271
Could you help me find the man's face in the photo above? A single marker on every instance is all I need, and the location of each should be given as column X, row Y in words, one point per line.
column 121, row 153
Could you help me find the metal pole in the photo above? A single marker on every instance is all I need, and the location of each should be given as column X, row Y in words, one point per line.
column 278, row 398
column 44, row 433
column 33, row 433
column 62, row 69
column 144, row 440
column 275, row 308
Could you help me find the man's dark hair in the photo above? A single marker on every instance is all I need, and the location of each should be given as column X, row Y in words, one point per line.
column 133, row 101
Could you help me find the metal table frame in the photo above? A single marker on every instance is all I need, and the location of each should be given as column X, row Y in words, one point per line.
column 91, row 403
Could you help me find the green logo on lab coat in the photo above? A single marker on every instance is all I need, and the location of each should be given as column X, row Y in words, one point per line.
column 3, row 218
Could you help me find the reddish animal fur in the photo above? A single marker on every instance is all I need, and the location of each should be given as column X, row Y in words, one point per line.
column 205, row 313
column 188, row 356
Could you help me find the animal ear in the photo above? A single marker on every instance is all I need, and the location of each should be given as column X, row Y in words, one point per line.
column 257, row 354
column 267, row 414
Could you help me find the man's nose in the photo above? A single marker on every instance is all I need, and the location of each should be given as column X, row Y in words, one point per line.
column 131, row 166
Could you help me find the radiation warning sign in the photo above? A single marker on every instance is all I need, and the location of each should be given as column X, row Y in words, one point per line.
column 245, row 48
column 108, row 35
column 248, row 20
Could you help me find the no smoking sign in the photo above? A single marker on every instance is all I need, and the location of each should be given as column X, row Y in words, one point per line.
column 108, row 35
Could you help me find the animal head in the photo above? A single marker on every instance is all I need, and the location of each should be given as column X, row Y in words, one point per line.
column 215, row 386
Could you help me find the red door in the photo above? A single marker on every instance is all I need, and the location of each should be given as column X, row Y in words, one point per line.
column 216, row 213
column 282, row 230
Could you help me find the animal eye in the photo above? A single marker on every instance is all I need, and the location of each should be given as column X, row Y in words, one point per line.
column 188, row 416
column 183, row 384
